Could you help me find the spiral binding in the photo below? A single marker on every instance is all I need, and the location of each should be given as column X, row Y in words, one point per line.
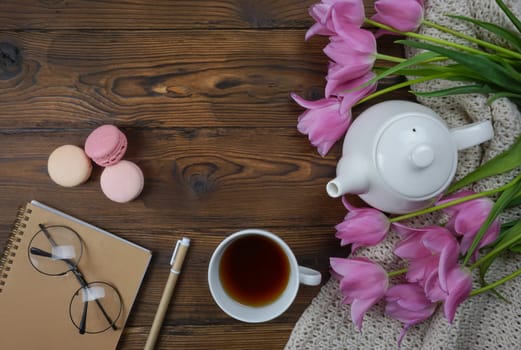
column 11, row 247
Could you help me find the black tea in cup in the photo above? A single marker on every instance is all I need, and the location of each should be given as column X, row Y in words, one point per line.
column 254, row 270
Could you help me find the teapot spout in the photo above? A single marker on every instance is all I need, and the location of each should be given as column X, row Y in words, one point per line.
column 348, row 180
column 337, row 187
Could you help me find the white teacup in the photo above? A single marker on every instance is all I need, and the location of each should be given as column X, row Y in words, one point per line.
column 251, row 258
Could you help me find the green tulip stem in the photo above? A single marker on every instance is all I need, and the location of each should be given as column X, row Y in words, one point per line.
column 401, row 85
column 426, row 38
column 451, row 203
column 397, row 272
column 381, row 56
column 472, row 39
column 495, row 284
column 497, row 249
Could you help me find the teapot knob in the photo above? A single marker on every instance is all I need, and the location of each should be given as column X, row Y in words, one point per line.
column 422, row 155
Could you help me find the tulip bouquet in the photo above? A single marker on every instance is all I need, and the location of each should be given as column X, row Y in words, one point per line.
column 438, row 261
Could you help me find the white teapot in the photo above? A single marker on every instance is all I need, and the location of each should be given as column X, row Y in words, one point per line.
column 398, row 156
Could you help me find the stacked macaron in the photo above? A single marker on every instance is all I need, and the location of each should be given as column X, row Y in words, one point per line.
column 106, row 145
column 121, row 180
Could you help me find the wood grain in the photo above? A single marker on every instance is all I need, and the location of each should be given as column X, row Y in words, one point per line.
column 157, row 14
column 253, row 176
column 201, row 89
column 151, row 79
column 204, row 337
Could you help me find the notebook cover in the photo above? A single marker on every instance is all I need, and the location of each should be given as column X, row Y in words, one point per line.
column 34, row 308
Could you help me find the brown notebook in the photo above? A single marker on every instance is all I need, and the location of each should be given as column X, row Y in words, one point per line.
column 34, row 308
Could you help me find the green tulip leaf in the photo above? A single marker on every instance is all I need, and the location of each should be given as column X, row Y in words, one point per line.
column 515, row 202
column 510, row 239
column 415, row 60
column 482, row 66
column 503, row 162
column 458, row 90
column 515, row 248
column 512, row 96
column 483, row 269
column 515, row 21
column 415, row 72
column 501, row 203
column 507, row 35
column 507, row 225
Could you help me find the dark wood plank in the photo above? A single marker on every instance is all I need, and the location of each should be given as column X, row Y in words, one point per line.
column 268, row 178
column 261, row 177
column 233, row 337
column 157, row 14
column 201, row 88
column 312, row 247
column 193, row 320
column 158, row 79
column 153, row 79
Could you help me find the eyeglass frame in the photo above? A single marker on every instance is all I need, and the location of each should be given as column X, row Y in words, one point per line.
column 73, row 267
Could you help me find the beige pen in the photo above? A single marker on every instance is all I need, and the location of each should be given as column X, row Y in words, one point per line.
column 176, row 262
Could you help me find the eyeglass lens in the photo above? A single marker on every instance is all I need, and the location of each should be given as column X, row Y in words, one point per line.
column 57, row 255
column 57, row 250
column 96, row 307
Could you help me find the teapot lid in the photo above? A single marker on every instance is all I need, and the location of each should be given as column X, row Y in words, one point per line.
column 415, row 155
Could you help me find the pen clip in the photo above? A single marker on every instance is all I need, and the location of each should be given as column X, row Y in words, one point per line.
column 184, row 241
column 175, row 252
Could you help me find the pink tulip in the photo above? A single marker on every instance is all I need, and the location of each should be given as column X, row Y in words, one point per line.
column 468, row 217
column 432, row 252
column 459, row 287
column 362, row 282
column 404, row 15
column 332, row 15
column 353, row 53
column 322, row 122
column 407, row 303
column 350, row 91
column 362, row 227
column 338, row 75
column 433, row 264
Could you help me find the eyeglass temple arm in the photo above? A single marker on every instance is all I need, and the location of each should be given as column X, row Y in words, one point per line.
column 47, row 235
column 83, row 322
column 79, row 276
column 40, row 252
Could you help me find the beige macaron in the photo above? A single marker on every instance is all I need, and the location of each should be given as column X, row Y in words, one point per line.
column 69, row 166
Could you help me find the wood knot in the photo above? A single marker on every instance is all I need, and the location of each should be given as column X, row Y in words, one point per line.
column 228, row 83
column 10, row 60
column 200, row 177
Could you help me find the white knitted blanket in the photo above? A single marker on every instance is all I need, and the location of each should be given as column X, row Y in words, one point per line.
column 483, row 321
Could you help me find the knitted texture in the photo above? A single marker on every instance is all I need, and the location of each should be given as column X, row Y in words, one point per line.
column 481, row 322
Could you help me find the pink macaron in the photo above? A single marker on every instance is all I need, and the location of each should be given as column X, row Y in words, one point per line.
column 122, row 182
column 106, row 145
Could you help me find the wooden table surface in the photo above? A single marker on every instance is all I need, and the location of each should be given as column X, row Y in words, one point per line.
column 201, row 89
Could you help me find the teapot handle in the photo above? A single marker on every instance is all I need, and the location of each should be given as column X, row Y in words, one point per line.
column 472, row 134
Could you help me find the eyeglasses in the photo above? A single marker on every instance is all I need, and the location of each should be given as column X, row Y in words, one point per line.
column 55, row 251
